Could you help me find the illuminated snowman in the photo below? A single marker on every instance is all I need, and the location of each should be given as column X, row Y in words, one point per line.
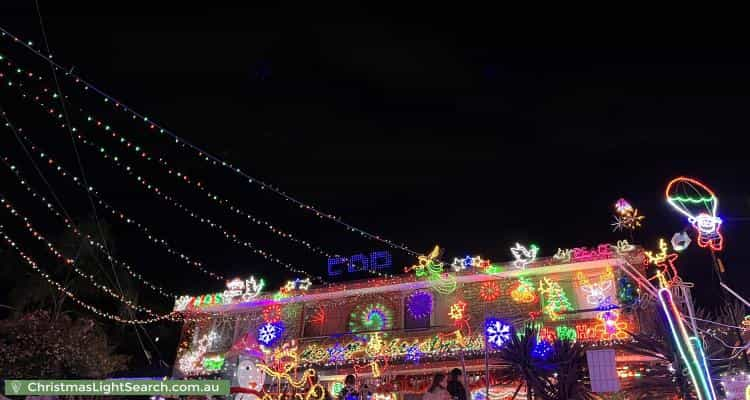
column 248, row 378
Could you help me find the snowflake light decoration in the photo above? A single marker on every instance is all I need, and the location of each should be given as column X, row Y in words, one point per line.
column 269, row 333
column 497, row 332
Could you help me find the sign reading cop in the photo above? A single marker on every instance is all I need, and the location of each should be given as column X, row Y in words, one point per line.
column 360, row 262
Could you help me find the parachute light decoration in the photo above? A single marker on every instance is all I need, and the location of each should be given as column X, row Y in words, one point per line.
column 699, row 204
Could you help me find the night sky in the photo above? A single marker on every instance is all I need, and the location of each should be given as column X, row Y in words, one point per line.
column 470, row 131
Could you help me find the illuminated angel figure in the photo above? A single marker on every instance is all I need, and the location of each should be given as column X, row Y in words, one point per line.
column 699, row 204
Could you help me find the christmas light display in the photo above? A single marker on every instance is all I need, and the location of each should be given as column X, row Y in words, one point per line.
column 336, row 354
column 489, row 291
column 555, row 300
column 246, row 290
column 48, row 205
column 419, row 304
column 270, row 333
column 272, row 313
column 319, row 317
column 663, row 259
column 462, row 264
column 623, row 246
column 596, row 292
column 584, row 254
column 413, row 354
column 213, row 363
column 196, row 151
column 627, row 291
column 427, row 265
column 626, row 217
column 336, row 388
column 523, row 256
column 680, row 241
column 370, row 318
column 563, row 255
column 566, row 333
column 524, row 292
column 699, row 204
column 497, row 332
column 622, row 206
column 297, row 284
column 70, row 262
column 457, row 311
column 208, row 222
column 688, row 355
column 542, row 350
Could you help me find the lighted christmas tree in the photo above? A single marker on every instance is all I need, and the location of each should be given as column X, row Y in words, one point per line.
column 555, row 299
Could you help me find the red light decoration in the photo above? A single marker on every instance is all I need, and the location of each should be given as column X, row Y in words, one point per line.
column 699, row 204
column 272, row 313
column 319, row 318
column 489, row 291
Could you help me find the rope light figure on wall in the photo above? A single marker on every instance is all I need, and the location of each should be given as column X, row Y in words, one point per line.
column 371, row 317
column 699, row 204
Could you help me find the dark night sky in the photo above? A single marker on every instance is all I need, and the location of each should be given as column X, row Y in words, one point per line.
column 473, row 131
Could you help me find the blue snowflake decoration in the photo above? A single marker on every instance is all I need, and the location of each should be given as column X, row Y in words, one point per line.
column 270, row 332
column 542, row 350
column 497, row 332
column 336, row 354
column 413, row 354
column 419, row 304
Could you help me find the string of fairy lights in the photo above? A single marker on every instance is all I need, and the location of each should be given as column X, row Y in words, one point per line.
column 195, row 150
column 161, row 194
column 62, row 289
column 69, row 261
column 143, row 153
column 77, row 232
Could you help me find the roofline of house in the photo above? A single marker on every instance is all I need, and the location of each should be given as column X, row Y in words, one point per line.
column 413, row 285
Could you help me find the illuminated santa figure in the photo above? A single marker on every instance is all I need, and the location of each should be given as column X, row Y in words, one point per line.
column 247, row 381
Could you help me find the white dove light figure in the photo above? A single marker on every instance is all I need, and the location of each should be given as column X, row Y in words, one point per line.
column 523, row 255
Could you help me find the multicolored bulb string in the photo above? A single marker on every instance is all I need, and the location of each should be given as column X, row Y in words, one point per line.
column 232, row 237
column 172, row 316
column 48, row 205
column 202, row 154
column 143, row 153
column 70, row 262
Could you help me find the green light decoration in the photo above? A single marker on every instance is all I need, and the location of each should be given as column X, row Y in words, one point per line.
column 566, row 333
column 337, row 388
column 494, row 269
column 371, row 317
column 213, row 363
column 554, row 300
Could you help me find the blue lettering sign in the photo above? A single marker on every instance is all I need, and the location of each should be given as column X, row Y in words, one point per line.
column 377, row 260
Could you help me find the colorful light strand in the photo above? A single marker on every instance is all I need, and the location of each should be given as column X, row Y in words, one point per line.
column 48, row 205
column 62, row 289
column 202, row 154
column 524, row 292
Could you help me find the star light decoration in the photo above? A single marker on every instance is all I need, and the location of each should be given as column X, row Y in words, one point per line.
column 497, row 332
column 523, row 255
column 626, row 217
column 462, row 264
